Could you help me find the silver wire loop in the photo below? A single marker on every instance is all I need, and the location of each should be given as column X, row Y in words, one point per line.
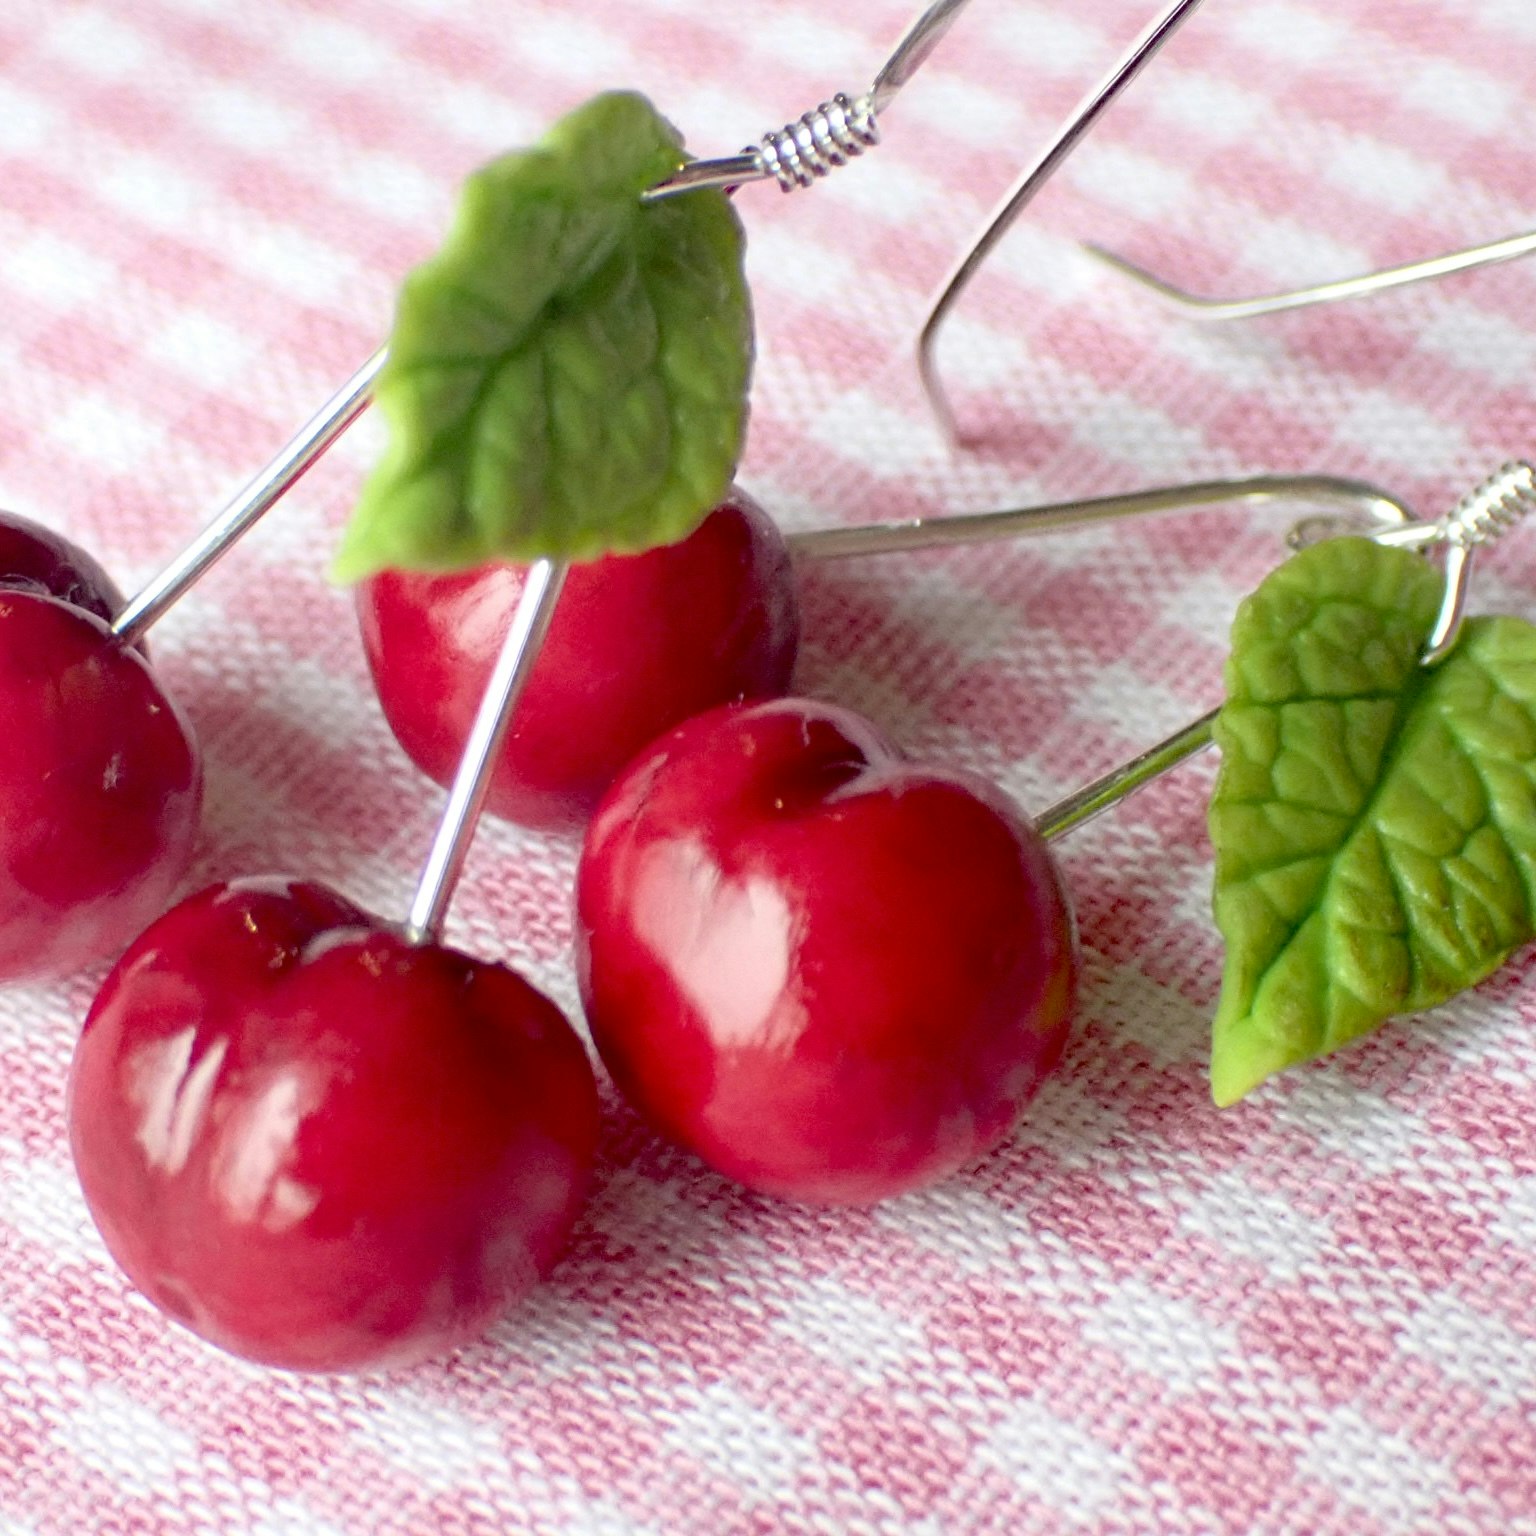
column 816, row 143
column 1494, row 507
column 1484, row 514
column 1199, row 307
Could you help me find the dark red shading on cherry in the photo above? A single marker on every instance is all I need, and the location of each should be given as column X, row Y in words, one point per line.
column 834, row 974
column 319, row 1146
column 35, row 559
column 100, row 788
column 638, row 644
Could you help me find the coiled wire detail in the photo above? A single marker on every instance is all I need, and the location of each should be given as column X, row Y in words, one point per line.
column 817, row 142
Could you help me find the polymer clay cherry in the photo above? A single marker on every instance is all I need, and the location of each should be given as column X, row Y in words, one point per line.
column 100, row 777
column 643, row 642
column 38, row 560
column 639, row 644
column 321, row 1146
column 323, row 1142
column 834, row 974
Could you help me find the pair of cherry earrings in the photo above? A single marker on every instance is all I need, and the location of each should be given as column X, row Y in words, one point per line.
column 326, row 1142
column 323, row 1141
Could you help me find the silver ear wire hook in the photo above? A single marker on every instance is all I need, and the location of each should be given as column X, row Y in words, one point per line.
column 1023, row 192
column 1357, row 508
column 1199, row 307
column 1480, row 517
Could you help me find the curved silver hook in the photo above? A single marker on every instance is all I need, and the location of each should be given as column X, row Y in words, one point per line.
column 1200, row 307
column 1024, row 190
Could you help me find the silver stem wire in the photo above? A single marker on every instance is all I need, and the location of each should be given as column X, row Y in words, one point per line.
column 1024, row 190
column 238, row 516
column 1377, row 506
column 1199, row 307
column 1111, row 788
column 1394, row 521
column 455, row 832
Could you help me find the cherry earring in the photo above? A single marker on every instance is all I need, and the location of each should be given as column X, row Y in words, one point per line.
column 343, row 1147
column 836, row 975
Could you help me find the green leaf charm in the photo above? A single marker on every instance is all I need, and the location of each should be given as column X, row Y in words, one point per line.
column 1374, row 820
column 568, row 376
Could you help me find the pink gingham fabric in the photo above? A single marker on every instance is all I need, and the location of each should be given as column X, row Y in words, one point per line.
column 1314, row 1313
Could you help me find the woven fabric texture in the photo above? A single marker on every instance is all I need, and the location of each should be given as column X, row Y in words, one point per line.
column 1313, row 1313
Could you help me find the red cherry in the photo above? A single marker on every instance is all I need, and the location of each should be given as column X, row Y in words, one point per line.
column 35, row 559
column 100, row 780
column 639, row 643
column 317, row 1145
column 833, row 974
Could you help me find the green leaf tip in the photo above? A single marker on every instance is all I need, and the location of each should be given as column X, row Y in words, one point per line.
column 568, row 375
column 1374, row 820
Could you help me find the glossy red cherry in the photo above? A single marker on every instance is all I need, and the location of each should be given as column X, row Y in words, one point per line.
column 833, row 974
column 320, row 1146
column 36, row 559
column 638, row 644
column 100, row 780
